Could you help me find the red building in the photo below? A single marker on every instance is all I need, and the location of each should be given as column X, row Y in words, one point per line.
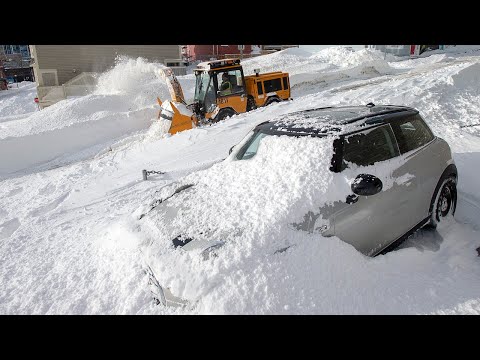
column 207, row 52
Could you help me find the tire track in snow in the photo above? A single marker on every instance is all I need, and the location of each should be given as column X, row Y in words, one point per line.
column 409, row 74
column 42, row 210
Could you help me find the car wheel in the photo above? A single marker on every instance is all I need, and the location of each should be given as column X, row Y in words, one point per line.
column 444, row 202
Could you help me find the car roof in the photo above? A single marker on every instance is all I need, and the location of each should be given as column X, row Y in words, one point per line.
column 334, row 120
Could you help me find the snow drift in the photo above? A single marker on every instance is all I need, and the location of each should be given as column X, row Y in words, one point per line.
column 17, row 101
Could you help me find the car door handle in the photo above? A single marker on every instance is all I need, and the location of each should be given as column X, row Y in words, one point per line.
column 352, row 199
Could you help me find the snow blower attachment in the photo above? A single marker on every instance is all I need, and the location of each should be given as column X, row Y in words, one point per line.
column 221, row 90
column 169, row 111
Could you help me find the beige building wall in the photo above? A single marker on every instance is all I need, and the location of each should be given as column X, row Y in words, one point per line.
column 56, row 64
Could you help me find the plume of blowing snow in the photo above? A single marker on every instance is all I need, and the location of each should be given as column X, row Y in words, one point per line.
column 138, row 79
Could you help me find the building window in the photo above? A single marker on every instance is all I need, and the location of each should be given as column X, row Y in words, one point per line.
column 25, row 51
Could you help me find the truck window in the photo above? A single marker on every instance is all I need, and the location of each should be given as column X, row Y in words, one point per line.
column 232, row 80
column 285, row 83
column 272, row 85
column 259, row 88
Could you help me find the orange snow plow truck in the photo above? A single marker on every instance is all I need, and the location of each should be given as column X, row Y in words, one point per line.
column 221, row 90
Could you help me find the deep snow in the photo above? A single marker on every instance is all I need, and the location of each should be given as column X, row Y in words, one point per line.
column 17, row 101
column 69, row 242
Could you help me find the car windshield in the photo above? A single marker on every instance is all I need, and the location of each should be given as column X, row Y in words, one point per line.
column 250, row 148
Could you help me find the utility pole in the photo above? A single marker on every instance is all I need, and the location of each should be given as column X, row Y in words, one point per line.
column 241, row 47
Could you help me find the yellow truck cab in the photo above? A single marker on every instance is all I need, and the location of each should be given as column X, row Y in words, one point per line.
column 244, row 93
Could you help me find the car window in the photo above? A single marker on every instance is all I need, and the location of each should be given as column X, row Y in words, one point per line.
column 369, row 147
column 411, row 133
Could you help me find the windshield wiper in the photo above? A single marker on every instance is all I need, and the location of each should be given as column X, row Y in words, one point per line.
column 159, row 201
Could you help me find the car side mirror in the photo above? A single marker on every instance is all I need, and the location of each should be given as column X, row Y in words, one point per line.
column 231, row 149
column 366, row 185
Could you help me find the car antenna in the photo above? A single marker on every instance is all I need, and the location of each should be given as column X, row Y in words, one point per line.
column 370, row 105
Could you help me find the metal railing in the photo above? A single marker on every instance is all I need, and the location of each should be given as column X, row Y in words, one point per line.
column 81, row 85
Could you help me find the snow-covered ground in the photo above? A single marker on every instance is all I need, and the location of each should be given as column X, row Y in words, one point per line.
column 70, row 180
column 17, row 101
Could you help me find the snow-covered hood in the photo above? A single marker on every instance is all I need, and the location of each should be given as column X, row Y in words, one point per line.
column 163, row 213
column 249, row 198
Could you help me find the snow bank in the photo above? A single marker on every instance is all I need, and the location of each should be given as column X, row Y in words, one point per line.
column 468, row 78
column 416, row 62
column 315, row 81
column 283, row 60
column 345, row 57
column 297, row 61
column 17, row 101
column 70, row 143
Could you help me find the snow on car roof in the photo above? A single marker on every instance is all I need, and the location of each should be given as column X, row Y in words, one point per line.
column 329, row 120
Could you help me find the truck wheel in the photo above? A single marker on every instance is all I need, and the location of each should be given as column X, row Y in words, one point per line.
column 272, row 100
column 223, row 114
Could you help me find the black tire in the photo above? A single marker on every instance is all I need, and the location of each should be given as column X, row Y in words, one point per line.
column 223, row 114
column 272, row 100
column 251, row 105
column 444, row 201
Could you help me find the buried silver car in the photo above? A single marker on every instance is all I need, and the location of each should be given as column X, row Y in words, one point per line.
column 392, row 175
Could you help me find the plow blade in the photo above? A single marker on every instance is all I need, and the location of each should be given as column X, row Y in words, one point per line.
column 178, row 121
